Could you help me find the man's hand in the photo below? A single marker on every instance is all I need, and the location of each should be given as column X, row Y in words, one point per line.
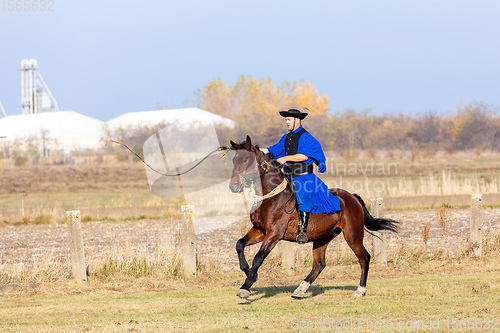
column 281, row 160
column 292, row 158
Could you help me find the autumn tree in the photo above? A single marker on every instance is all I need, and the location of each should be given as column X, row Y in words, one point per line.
column 348, row 130
column 253, row 105
column 217, row 98
column 473, row 127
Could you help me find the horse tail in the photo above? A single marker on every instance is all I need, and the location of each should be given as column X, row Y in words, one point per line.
column 377, row 224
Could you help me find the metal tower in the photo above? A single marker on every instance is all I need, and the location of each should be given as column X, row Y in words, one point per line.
column 35, row 94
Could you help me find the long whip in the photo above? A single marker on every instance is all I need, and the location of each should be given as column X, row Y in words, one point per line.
column 222, row 149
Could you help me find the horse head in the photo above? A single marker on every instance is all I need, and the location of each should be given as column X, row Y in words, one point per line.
column 245, row 165
column 249, row 164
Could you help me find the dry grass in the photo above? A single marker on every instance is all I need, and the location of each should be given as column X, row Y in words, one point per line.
column 122, row 263
column 41, row 195
column 46, row 269
column 163, row 265
column 139, row 291
column 416, row 187
column 443, row 218
column 426, row 229
column 407, row 184
column 120, row 191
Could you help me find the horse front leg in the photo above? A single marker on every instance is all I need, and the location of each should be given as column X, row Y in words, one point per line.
column 268, row 244
column 253, row 236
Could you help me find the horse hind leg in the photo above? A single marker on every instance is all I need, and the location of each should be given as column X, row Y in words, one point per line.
column 319, row 263
column 356, row 244
column 365, row 265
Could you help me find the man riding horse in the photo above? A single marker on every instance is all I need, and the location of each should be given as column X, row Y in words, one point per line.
column 297, row 151
column 272, row 222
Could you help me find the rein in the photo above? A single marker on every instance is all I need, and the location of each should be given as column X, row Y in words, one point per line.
column 249, row 177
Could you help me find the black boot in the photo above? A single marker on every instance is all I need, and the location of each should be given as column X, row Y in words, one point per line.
column 304, row 219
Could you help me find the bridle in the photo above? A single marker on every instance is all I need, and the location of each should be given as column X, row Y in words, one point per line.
column 264, row 167
column 251, row 176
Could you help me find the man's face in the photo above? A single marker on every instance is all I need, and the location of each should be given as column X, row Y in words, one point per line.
column 290, row 121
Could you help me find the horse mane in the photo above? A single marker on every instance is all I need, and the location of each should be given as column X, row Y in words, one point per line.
column 265, row 156
column 241, row 145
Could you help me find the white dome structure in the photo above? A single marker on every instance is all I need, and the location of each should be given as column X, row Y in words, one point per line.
column 71, row 131
column 184, row 118
column 66, row 130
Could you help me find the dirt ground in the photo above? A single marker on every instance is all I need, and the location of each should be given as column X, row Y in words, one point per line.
column 22, row 247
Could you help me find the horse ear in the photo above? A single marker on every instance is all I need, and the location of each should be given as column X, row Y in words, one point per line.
column 233, row 144
column 248, row 143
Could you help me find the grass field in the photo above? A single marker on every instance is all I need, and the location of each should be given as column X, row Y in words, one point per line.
column 417, row 291
column 412, row 299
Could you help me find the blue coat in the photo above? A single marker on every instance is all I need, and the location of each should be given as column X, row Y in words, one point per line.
column 312, row 193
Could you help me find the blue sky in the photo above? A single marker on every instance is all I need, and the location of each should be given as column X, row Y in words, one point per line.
column 106, row 58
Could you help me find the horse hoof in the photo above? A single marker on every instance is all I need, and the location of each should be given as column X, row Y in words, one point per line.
column 297, row 294
column 243, row 293
column 301, row 290
column 360, row 292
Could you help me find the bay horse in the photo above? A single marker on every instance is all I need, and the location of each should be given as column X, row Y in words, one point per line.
column 275, row 219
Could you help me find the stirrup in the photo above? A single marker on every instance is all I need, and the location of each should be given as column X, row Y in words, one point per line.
column 303, row 239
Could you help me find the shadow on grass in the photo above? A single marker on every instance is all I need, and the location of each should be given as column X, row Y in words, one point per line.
column 313, row 291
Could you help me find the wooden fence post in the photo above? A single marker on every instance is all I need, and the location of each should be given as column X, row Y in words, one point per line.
column 188, row 239
column 379, row 246
column 476, row 221
column 287, row 256
column 77, row 253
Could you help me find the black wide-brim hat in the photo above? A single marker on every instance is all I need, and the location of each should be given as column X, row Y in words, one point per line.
column 294, row 113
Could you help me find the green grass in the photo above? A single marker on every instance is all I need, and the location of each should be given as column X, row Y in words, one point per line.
column 413, row 300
